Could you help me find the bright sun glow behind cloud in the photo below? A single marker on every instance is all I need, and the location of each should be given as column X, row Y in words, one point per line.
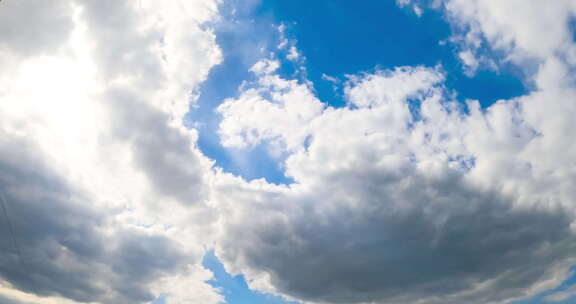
column 233, row 151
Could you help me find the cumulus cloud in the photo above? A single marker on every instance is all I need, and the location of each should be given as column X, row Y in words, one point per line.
column 406, row 195
column 71, row 248
column 528, row 34
column 32, row 38
column 521, row 30
column 105, row 189
column 398, row 201
column 252, row 118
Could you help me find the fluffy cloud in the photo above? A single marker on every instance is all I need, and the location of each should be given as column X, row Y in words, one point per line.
column 526, row 33
column 405, row 195
column 522, row 30
column 276, row 110
column 33, row 38
column 105, row 189
column 399, row 202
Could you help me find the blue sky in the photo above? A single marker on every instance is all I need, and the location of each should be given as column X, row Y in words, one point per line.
column 564, row 286
column 336, row 39
column 326, row 151
column 234, row 288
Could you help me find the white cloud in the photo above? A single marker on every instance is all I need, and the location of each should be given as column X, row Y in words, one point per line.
column 417, row 10
column 524, row 31
column 404, row 195
column 469, row 61
column 106, row 190
column 330, row 78
column 391, row 88
column 288, row 45
column 276, row 110
column 293, row 54
column 532, row 29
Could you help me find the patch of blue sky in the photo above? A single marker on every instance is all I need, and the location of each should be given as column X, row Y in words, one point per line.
column 335, row 39
column 346, row 37
column 236, row 291
column 234, row 288
column 243, row 39
column 572, row 27
column 541, row 298
column 161, row 299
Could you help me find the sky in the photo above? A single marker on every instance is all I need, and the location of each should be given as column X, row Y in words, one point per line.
column 287, row 152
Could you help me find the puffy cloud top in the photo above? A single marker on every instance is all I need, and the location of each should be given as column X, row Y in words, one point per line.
column 403, row 195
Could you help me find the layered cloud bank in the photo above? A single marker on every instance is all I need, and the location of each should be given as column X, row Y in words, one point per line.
column 404, row 195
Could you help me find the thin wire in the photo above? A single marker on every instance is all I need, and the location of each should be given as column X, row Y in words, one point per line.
column 11, row 231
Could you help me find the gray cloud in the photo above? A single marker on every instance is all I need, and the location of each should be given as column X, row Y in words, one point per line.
column 122, row 49
column 7, row 300
column 370, row 236
column 30, row 37
column 386, row 208
column 164, row 153
column 105, row 191
column 65, row 249
column 449, row 207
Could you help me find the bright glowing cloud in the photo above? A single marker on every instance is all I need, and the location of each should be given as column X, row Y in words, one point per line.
column 399, row 188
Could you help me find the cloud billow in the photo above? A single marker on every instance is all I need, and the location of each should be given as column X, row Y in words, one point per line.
column 405, row 194
column 396, row 201
column 377, row 243
column 62, row 244
column 96, row 169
